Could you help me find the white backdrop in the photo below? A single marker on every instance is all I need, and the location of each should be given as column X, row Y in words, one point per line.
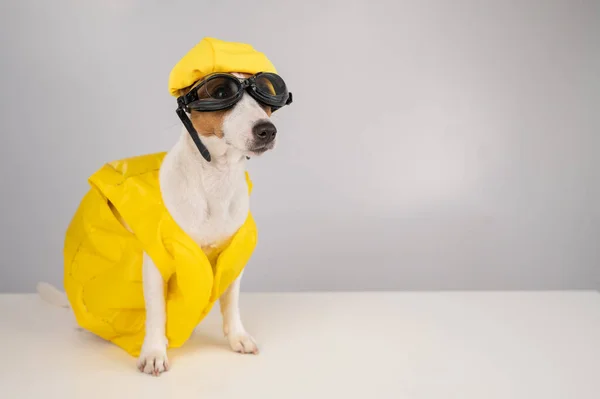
column 430, row 145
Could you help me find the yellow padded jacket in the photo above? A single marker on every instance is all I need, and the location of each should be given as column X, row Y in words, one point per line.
column 103, row 260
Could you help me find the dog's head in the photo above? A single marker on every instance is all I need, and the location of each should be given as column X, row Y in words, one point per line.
column 246, row 128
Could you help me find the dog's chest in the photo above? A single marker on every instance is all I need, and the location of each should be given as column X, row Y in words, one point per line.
column 222, row 218
column 211, row 212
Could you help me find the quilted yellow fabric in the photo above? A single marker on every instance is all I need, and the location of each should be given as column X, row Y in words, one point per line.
column 103, row 260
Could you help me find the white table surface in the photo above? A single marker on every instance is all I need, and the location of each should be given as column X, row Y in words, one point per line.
column 328, row 345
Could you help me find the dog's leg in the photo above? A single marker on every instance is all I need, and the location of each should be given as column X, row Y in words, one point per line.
column 239, row 339
column 153, row 357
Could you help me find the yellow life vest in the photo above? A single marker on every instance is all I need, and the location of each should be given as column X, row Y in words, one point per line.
column 103, row 260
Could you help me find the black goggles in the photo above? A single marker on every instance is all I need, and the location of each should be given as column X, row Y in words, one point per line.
column 220, row 91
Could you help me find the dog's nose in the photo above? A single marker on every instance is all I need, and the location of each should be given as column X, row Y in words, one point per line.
column 264, row 131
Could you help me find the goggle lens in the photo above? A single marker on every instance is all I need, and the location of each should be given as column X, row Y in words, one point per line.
column 219, row 88
column 271, row 85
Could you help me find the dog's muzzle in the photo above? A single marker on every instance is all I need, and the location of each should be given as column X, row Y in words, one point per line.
column 221, row 91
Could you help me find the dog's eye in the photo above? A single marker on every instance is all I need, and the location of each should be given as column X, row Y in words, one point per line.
column 221, row 89
column 222, row 92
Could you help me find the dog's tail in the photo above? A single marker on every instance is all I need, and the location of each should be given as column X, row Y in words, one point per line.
column 52, row 295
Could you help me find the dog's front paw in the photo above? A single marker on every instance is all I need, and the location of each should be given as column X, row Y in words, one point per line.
column 242, row 342
column 153, row 359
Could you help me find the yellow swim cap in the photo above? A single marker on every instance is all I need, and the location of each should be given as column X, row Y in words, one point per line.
column 213, row 55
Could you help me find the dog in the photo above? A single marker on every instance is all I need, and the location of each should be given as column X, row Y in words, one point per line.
column 216, row 195
column 207, row 195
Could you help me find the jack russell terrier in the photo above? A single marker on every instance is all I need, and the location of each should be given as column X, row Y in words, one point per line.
column 160, row 238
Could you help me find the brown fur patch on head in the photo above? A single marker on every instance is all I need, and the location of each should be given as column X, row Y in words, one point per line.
column 206, row 123
column 209, row 123
column 267, row 109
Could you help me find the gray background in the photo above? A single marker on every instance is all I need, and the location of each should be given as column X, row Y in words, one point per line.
column 431, row 144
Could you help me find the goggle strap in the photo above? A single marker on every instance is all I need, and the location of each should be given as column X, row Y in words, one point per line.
column 193, row 133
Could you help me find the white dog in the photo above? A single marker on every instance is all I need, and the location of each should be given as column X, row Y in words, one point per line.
column 210, row 202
